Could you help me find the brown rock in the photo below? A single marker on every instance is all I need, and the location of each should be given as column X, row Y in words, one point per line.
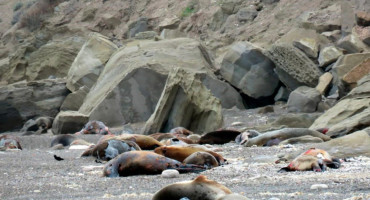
column 363, row 18
column 363, row 33
column 324, row 82
column 357, row 73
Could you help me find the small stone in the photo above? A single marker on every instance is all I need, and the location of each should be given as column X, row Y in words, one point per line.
column 36, row 191
column 170, row 173
column 329, row 55
column 319, row 186
column 309, row 46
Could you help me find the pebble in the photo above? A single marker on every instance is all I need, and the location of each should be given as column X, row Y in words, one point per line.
column 319, row 186
column 170, row 173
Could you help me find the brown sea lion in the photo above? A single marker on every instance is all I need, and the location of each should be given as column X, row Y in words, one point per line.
column 181, row 152
column 109, row 149
column 181, row 131
column 313, row 159
column 219, row 137
column 202, row 158
column 9, row 142
column 144, row 162
column 199, row 189
column 95, row 127
column 145, row 142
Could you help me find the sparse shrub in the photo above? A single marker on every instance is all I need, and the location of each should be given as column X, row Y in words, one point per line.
column 17, row 6
column 187, row 11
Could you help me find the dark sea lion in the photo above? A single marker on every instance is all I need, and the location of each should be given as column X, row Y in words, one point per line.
column 202, row 158
column 9, row 142
column 219, row 137
column 64, row 139
column 144, row 162
column 199, row 189
column 110, row 149
column 180, row 153
column 95, row 127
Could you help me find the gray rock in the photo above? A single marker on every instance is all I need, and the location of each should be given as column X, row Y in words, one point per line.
column 327, row 19
column 293, row 67
column 351, row 43
column 324, row 82
column 348, row 19
column 282, row 94
column 69, row 122
column 25, row 100
column 319, row 186
column 269, row 1
column 138, row 26
column 329, row 55
column 185, row 102
column 302, row 140
column 171, row 34
column 247, row 14
column 170, row 173
column 247, row 68
column 146, row 35
column 169, row 23
column 75, row 99
column 309, row 46
column 295, row 120
column 304, row 99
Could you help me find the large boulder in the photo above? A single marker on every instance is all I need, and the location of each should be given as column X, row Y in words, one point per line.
column 293, row 67
column 185, row 102
column 248, row 69
column 69, row 122
column 304, row 99
column 129, row 87
column 90, row 62
column 22, row 101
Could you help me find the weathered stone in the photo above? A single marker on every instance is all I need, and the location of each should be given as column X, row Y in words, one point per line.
column 357, row 73
column 170, row 173
column 324, row 82
column 304, row 99
column 130, row 86
column 329, row 55
column 319, row 186
column 296, row 34
column 247, row 14
column 75, row 99
column 348, row 20
column 363, row 18
column 109, row 21
column 308, row 45
column 185, row 102
column 90, row 62
column 146, row 35
column 363, row 34
column 269, row 1
column 247, row 68
column 230, row 6
column 171, row 34
column 332, row 35
column 362, row 90
column 169, row 23
column 347, row 62
column 88, row 14
column 69, row 122
column 293, row 67
column 4, row 67
column 138, row 26
column 25, row 100
column 327, row 19
column 351, row 44
column 282, row 94
column 295, row 120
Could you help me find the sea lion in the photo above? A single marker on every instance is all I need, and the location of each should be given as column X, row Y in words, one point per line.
column 181, row 152
column 64, row 139
column 9, row 142
column 145, row 142
column 219, row 137
column 313, row 159
column 95, row 127
column 144, row 162
column 168, row 136
column 181, row 131
column 109, row 149
column 244, row 136
column 202, row 158
column 199, row 189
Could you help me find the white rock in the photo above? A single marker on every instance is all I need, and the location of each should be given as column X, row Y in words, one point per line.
column 78, row 147
column 319, row 186
column 170, row 173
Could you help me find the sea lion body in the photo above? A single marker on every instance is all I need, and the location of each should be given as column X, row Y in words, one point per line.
column 199, row 189
column 145, row 142
column 203, row 159
column 144, row 162
column 9, row 142
column 180, row 153
column 64, row 139
column 219, row 137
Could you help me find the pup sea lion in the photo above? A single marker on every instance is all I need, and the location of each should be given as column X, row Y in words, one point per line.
column 110, row 149
column 181, row 152
column 219, row 137
column 202, row 158
column 9, row 142
column 144, row 162
column 199, row 189
column 95, row 127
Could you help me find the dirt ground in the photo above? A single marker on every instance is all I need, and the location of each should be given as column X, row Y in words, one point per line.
column 33, row 173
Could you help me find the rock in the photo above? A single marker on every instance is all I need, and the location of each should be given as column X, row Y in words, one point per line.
column 68, row 122
column 304, row 99
column 138, row 26
column 89, row 62
column 295, row 120
column 247, row 68
column 363, row 34
column 348, row 20
column 88, row 14
column 302, row 140
column 347, row 62
column 133, row 79
column 357, row 73
column 109, row 21
column 319, row 186
column 329, row 55
column 297, row 34
column 25, row 100
column 171, row 34
column 170, row 173
column 230, row 6
column 351, row 44
column 362, row 89
column 169, row 23
column 308, row 45
column 247, row 14
column 4, row 67
column 363, row 18
column 327, row 19
column 293, row 67
column 283, row 134
column 185, row 102
column 332, row 35
column 146, row 35
column 324, row 82
column 282, row 94
column 75, row 99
